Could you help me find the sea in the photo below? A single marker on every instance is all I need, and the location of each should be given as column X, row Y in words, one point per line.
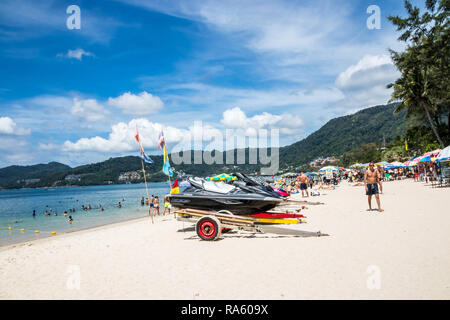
column 17, row 223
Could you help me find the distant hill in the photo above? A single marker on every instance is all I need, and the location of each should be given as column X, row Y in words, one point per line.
column 347, row 133
column 336, row 137
column 19, row 176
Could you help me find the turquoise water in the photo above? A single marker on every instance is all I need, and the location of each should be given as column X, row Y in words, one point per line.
column 16, row 208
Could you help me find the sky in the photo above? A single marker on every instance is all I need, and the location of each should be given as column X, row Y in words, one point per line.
column 76, row 95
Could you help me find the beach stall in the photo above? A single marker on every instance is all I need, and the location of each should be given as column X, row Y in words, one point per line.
column 443, row 162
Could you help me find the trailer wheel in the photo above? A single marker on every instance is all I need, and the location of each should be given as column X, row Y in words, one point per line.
column 208, row 228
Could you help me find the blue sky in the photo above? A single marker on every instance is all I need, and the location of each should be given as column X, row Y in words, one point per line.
column 76, row 96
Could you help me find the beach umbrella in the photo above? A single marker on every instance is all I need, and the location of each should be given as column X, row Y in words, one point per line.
column 397, row 165
column 289, row 175
column 444, row 155
column 328, row 168
column 383, row 164
column 221, row 177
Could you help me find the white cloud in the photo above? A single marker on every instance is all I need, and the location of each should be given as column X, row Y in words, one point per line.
column 368, row 62
column 122, row 137
column 141, row 104
column 76, row 54
column 287, row 124
column 88, row 109
column 9, row 127
column 364, row 84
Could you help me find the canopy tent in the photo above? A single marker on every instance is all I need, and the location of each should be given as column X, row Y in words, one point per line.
column 444, row 155
column 425, row 159
column 433, row 153
column 412, row 162
column 222, row 177
column 356, row 166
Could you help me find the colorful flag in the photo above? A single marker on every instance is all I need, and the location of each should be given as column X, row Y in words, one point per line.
column 144, row 157
column 166, row 166
column 175, row 188
column 161, row 141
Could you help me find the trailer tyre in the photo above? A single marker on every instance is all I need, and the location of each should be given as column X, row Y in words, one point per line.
column 208, row 228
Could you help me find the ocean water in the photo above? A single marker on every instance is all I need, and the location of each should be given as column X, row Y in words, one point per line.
column 16, row 208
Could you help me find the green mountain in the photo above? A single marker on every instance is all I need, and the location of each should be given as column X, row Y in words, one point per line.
column 20, row 176
column 347, row 133
column 336, row 137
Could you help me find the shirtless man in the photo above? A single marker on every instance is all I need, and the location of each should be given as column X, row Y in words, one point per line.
column 371, row 181
column 303, row 185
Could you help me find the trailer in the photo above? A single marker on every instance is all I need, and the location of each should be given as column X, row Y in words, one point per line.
column 209, row 225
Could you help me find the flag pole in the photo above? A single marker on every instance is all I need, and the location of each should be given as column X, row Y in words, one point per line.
column 146, row 189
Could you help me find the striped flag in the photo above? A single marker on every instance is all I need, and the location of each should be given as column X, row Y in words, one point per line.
column 144, row 157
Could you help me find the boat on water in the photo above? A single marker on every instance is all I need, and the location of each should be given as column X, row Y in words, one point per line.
column 241, row 198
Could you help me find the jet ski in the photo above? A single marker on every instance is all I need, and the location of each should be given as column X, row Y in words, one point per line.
column 254, row 183
column 239, row 198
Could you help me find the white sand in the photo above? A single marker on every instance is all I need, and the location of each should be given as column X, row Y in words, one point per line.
column 407, row 246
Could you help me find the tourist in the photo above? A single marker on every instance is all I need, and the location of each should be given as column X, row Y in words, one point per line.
column 65, row 214
column 143, row 201
column 156, row 204
column 371, row 181
column 34, row 213
column 119, row 205
column 151, row 203
column 70, row 219
column 166, row 205
column 303, row 186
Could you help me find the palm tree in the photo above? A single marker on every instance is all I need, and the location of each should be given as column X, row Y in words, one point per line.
column 422, row 88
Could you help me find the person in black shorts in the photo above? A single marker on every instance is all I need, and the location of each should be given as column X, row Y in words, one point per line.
column 303, row 184
column 371, row 181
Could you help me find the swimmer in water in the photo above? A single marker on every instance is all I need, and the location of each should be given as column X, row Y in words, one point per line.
column 70, row 219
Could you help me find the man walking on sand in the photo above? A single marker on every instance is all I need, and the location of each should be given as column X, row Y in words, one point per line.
column 371, row 181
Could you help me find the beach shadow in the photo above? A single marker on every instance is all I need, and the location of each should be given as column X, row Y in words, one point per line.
column 289, row 234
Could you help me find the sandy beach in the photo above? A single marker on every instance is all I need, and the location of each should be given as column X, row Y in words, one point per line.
column 402, row 253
